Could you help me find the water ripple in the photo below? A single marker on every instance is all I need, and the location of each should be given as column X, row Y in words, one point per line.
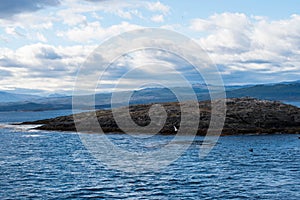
column 43, row 165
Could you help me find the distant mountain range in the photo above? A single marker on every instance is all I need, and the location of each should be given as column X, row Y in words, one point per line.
column 281, row 92
column 286, row 91
column 12, row 97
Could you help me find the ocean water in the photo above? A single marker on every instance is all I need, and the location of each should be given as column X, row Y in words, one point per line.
column 56, row 165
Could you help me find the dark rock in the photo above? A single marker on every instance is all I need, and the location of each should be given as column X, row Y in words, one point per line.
column 244, row 116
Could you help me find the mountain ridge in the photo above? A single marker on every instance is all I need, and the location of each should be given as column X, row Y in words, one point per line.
column 286, row 91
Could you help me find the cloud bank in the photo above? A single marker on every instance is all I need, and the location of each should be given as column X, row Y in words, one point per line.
column 43, row 49
column 252, row 46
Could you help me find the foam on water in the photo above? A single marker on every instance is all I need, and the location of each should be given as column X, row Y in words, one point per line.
column 33, row 136
column 23, row 128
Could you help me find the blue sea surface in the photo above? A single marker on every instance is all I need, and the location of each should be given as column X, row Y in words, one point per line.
column 56, row 165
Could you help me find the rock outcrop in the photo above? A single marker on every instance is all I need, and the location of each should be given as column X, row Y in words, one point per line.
column 244, row 116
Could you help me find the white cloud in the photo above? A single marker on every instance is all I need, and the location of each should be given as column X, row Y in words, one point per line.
column 227, row 31
column 201, row 25
column 239, row 43
column 30, row 21
column 123, row 9
column 251, row 44
column 10, row 30
column 158, row 6
column 41, row 37
column 41, row 66
column 93, row 31
column 157, row 18
column 71, row 18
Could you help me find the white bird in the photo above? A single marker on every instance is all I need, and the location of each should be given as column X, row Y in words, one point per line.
column 175, row 129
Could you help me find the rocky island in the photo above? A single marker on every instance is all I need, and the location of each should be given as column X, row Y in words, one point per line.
column 244, row 116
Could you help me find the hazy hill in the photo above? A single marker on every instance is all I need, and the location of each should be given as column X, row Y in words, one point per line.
column 288, row 91
column 12, row 97
column 282, row 92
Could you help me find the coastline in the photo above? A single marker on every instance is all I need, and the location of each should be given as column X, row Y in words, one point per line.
column 244, row 116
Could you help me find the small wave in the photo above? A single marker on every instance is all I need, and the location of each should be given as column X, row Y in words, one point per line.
column 23, row 128
column 2, row 125
column 29, row 136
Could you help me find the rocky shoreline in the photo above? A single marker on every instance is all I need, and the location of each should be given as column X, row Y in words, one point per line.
column 244, row 116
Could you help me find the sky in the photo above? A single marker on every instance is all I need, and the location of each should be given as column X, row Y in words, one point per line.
column 43, row 43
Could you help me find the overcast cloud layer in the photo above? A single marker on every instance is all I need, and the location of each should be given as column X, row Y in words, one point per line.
column 42, row 43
